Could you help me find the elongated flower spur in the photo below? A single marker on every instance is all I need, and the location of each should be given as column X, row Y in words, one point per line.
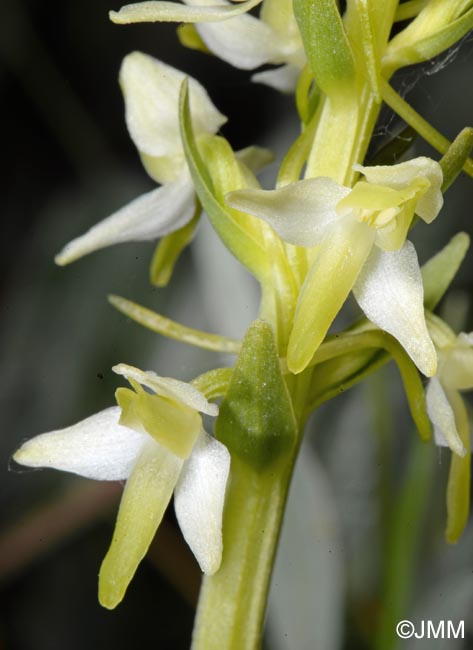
column 155, row 440
column 151, row 91
column 359, row 240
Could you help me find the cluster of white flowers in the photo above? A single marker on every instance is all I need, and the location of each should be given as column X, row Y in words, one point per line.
column 350, row 238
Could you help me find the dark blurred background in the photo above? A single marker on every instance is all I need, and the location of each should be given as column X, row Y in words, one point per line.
column 67, row 163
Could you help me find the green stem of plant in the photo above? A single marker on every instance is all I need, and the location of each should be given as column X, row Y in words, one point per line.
column 232, row 602
column 403, row 542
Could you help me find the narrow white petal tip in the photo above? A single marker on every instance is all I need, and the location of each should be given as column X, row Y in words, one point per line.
column 442, row 417
column 389, row 290
column 199, row 498
column 424, row 355
column 169, row 387
column 151, row 92
column 97, row 447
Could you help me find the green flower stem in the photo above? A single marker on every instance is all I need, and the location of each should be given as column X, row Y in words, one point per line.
column 417, row 122
column 232, row 602
column 403, row 543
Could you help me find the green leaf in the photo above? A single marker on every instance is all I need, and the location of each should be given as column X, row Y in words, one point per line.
column 256, row 419
column 326, row 44
column 239, row 241
column 168, row 251
column 439, row 271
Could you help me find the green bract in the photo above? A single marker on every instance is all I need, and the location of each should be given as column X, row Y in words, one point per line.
column 256, row 420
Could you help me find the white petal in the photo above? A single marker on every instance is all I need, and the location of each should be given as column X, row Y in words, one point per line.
column 199, row 499
column 144, row 501
column 300, row 212
column 97, row 447
column 389, row 291
column 168, row 387
column 401, row 175
column 244, row 41
column 151, row 215
column 442, row 417
column 155, row 11
column 151, row 91
column 283, row 79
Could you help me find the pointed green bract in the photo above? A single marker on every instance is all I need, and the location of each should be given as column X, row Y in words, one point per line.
column 439, row 271
column 256, row 419
column 238, row 241
column 326, row 45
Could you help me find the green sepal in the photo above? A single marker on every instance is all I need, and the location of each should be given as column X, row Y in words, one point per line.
column 326, row 45
column 353, row 357
column 190, row 37
column 172, row 424
column 256, row 420
column 457, row 155
column 335, row 376
column 214, row 383
column 168, row 251
column 239, row 241
column 439, row 271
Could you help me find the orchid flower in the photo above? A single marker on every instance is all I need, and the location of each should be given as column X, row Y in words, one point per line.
column 151, row 92
column 230, row 33
column 449, row 416
column 155, row 440
column 360, row 235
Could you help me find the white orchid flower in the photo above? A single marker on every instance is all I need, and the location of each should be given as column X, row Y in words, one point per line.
column 151, row 92
column 455, row 373
column 361, row 238
column 240, row 39
column 155, row 440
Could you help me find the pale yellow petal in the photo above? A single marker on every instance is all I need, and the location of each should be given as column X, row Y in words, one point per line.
column 145, row 499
